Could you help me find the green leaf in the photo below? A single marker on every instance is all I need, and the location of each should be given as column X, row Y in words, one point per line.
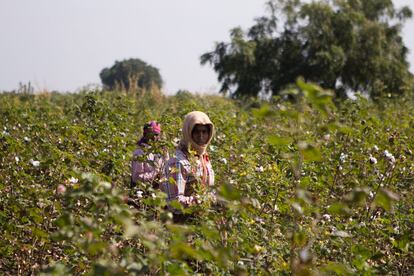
column 403, row 244
column 311, row 154
column 278, row 141
column 262, row 112
column 339, row 208
column 337, row 268
column 229, row 192
column 40, row 233
column 361, row 251
column 130, row 228
column 97, row 247
column 300, row 239
column 385, row 199
column 357, row 196
column 181, row 251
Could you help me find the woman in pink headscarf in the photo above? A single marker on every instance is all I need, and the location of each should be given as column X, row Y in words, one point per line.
column 147, row 167
column 191, row 164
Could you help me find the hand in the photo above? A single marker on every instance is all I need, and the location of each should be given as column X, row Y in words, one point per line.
column 166, row 154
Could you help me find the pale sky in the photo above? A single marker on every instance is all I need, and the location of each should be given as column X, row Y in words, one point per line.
column 64, row 44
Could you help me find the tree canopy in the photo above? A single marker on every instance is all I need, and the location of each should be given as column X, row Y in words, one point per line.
column 343, row 45
column 130, row 74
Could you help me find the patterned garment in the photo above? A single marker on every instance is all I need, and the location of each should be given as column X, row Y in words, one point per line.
column 186, row 176
column 146, row 171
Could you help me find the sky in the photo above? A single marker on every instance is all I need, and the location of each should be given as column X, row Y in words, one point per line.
column 63, row 45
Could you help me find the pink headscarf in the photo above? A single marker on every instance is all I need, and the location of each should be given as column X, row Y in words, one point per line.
column 151, row 127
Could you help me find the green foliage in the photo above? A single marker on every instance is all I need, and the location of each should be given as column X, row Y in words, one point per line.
column 131, row 75
column 304, row 186
column 341, row 45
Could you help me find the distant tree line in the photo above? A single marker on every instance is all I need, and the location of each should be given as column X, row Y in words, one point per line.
column 343, row 45
column 131, row 75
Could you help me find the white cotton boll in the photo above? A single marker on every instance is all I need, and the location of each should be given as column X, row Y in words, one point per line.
column 389, row 156
column 181, row 198
column 176, row 142
column 17, row 159
column 224, row 160
column 106, row 185
column 73, row 180
column 343, row 157
column 326, row 217
column 341, row 234
column 373, row 160
column 34, row 163
column 139, row 194
column 26, row 139
column 260, row 169
column 327, row 137
column 304, row 255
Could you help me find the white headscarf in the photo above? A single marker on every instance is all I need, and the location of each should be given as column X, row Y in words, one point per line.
column 191, row 119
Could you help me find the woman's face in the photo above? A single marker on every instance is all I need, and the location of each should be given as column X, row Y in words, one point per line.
column 152, row 136
column 200, row 134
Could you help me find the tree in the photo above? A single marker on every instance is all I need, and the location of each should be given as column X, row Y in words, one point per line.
column 130, row 75
column 343, row 45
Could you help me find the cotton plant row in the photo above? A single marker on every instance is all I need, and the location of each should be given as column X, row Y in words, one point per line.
column 297, row 190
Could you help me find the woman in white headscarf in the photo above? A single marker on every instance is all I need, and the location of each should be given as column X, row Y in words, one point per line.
column 191, row 164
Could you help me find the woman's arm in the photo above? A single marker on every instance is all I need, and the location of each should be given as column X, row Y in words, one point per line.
column 141, row 170
column 175, row 184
